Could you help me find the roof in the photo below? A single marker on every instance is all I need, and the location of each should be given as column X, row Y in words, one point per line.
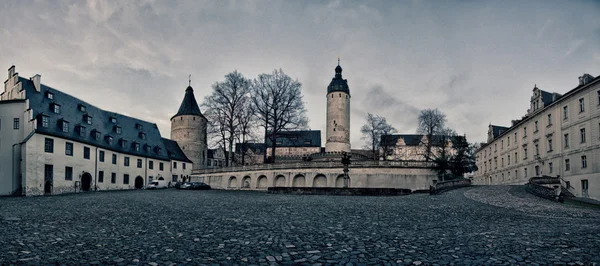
column 256, row 148
column 410, row 139
column 546, row 97
column 189, row 106
column 211, row 154
column 337, row 83
column 299, row 138
column 497, row 130
column 69, row 111
column 174, row 151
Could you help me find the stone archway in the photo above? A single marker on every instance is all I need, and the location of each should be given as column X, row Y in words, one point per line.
column 86, row 181
column 280, row 181
column 232, row 182
column 261, row 182
column 320, row 181
column 48, row 187
column 339, row 181
column 246, row 182
column 299, row 181
column 139, row 182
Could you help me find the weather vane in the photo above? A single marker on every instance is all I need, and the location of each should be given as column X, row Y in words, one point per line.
column 190, row 80
column 338, row 60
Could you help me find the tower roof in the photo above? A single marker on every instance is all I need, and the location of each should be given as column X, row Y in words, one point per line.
column 337, row 82
column 189, row 106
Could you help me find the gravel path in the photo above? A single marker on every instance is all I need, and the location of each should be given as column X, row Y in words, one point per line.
column 478, row 225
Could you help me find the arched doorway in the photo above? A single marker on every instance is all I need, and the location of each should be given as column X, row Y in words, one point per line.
column 299, row 181
column 280, row 181
column 246, row 182
column 232, row 182
column 262, row 182
column 160, row 178
column 139, row 182
column 320, row 181
column 48, row 187
column 339, row 181
column 86, row 181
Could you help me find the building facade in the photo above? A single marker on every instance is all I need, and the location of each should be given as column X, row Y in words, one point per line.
column 338, row 114
column 413, row 147
column 559, row 136
column 52, row 142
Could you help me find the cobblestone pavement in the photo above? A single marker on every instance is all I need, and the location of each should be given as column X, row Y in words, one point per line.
column 478, row 225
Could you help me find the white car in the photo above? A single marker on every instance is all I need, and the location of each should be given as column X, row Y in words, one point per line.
column 158, row 184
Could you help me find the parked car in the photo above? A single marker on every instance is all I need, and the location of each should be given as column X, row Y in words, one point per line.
column 158, row 184
column 199, row 186
column 185, row 185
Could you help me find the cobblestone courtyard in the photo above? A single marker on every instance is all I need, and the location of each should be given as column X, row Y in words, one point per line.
column 479, row 225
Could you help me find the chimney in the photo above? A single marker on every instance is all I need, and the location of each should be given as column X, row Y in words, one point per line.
column 11, row 71
column 36, row 82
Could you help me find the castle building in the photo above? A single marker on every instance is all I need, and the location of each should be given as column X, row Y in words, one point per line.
column 52, row 143
column 338, row 114
column 413, row 147
column 559, row 137
column 188, row 129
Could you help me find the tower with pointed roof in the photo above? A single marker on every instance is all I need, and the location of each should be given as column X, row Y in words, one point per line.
column 338, row 114
column 188, row 129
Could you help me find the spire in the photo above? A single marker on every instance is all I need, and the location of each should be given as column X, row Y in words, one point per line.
column 338, row 60
column 189, row 106
column 190, row 81
column 338, row 69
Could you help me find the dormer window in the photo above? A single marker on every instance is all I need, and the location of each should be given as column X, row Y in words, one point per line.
column 50, row 95
column 64, row 125
column 87, row 119
column 82, row 131
column 157, row 149
column 96, row 134
column 55, row 108
column 136, row 146
column 139, row 127
column 117, row 129
column 142, row 135
column 44, row 120
column 81, row 107
column 123, row 143
column 109, row 140
column 113, row 119
column 147, row 147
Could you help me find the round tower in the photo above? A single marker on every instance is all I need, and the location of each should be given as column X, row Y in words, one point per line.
column 338, row 113
column 188, row 129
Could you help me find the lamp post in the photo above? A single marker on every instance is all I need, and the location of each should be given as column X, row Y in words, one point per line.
column 346, row 162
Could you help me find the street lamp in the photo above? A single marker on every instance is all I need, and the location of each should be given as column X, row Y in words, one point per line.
column 346, row 162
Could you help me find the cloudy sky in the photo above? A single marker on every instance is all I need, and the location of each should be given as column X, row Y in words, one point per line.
column 477, row 61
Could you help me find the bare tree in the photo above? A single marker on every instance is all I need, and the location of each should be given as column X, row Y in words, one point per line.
column 442, row 151
column 431, row 123
column 278, row 105
column 373, row 130
column 226, row 102
column 246, row 120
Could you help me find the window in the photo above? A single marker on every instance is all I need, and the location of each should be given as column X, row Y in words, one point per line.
column 174, row 165
column 69, row 149
column 139, row 127
column 56, row 108
column 101, row 156
column 113, row 178
column 581, row 105
column 537, row 170
column 582, row 132
column 49, row 95
column 142, row 135
column 125, row 179
column 136, row 146
column 535, row 126
column 549, row 119
column 114, row 159
column 567, row 164
column 508, row 159
column 598, row 92
column 100, row 176
column 48, row 145
column 508, row 141
column 515, row 157
column 549, row 145
column 151, row 165
column 68, row 173
column 161, row 166
column 82, row 108
column 537, row 149
column 550, row 168
column 524, row 132
column 45, row 121
column 113, row 120
column 515, row 137
column 525, row 153
column 502, row 144
column 48, row 172
column 183, row 166
column 566, row 140
column 65, row 126
column 502, row 162
column 566, row 112
column 16, row 123
column 126, row 161
column 123, row 143
column 82, row 131
column 139, row 163
column 525, row 171
column 109, row 140
column 86, row 153
column 88, row 119
column 583, row 161
column 118, row 129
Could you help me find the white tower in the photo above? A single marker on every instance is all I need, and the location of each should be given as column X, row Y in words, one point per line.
column 338, row 113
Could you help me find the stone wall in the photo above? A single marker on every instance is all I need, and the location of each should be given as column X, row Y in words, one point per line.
column 338, row 122
column 189, row 131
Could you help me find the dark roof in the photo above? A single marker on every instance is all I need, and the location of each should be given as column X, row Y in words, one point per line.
column 69, row 111
column 410, row 139
column 337, row 83
column 174, row 151
column 211, row 153
column 257, row 148
column 497, row 130
column 189, row 106
column 300, row 138
column 546, row 97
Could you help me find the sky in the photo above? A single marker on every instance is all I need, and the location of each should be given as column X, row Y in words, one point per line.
column 476, row 61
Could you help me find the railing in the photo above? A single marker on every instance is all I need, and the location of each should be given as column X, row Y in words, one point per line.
column 538, row 186
column 440, row 187
column 316, row 164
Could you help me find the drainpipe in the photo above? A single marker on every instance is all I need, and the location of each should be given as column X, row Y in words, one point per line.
column 13, row 167
column 96, row 171
column 145, row 173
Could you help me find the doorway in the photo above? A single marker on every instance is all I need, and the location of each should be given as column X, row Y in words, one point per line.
column 86, row 182
column 584, row 188
column 139, row 182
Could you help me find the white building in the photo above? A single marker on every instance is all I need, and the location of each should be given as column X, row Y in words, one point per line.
column 52, row 142
column 559, row 136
